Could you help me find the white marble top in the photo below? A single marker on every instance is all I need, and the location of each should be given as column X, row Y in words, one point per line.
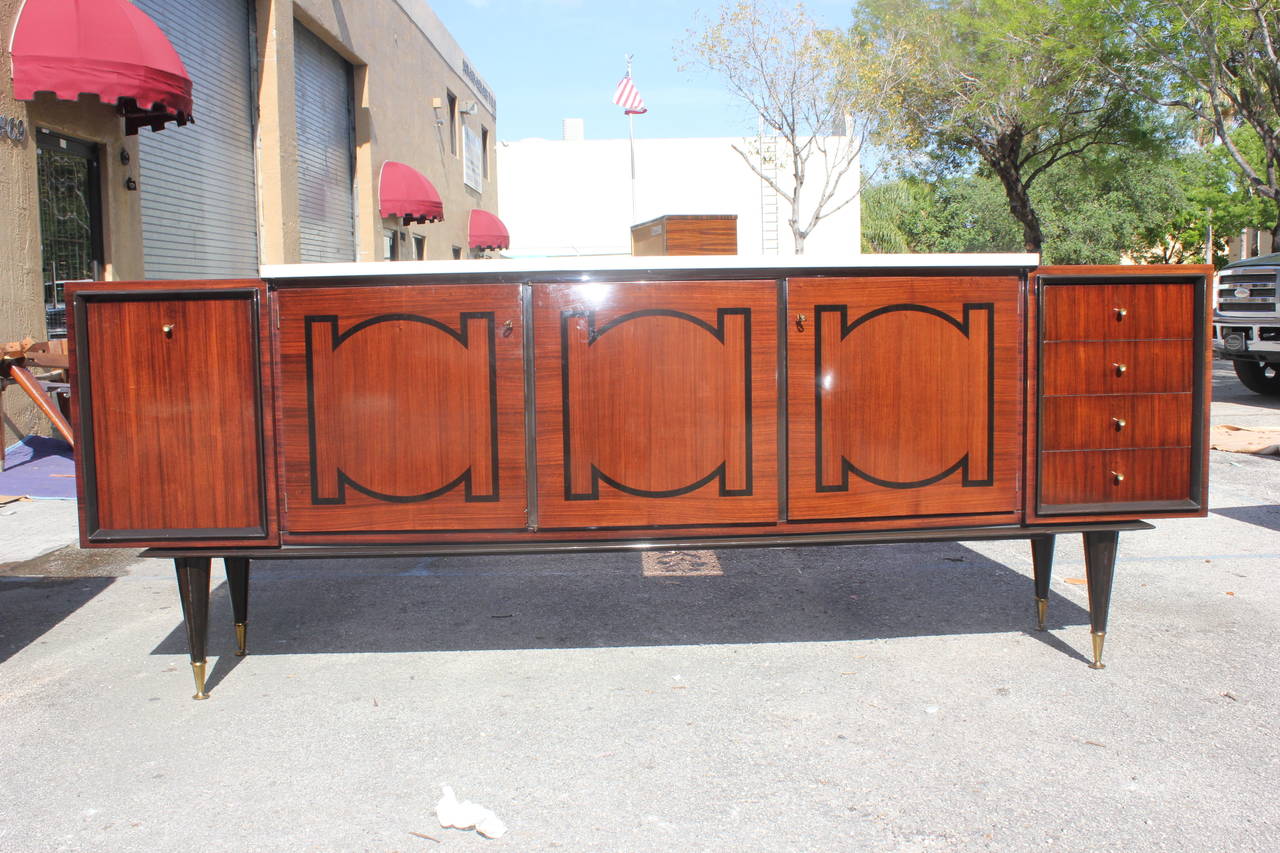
column 624, row 263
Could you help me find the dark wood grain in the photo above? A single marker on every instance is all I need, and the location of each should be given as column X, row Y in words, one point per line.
column 402, row 409
column 1090, row 477
column 657, row 403
column 893, row 383
column 1113, row 421
column 175, row 423
column 1117, row 367
column 1106, row 310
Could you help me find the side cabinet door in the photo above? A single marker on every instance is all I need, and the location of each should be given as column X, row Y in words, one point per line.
column 402, row 410
column 173, row 424
column 657, row 404
column 904, row 397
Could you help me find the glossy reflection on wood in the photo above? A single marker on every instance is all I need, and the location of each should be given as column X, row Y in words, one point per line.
column 903, row 396
column 402, row 409
column 175, row 430
column 1116, row 420
column 657, row 403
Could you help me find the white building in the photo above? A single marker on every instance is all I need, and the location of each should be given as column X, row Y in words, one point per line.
column 574, row 196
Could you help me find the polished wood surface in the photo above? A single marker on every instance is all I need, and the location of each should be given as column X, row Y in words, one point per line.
column 1116, row 367
column 1123, row 390
column 656, row 403
column 1109, row 311
column 904, row 396
column 1115, row 476
column 1116, row 420
column 172, row 448
column 402, row 409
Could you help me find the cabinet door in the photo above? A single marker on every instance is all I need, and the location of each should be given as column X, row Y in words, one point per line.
column 657, row 403
column 903, row 397
column 171, row 415
column 402, row 409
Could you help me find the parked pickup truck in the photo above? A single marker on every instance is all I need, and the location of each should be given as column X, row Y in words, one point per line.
column 1246, row 321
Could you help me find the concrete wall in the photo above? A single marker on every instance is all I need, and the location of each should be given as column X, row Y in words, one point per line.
column 574, row 197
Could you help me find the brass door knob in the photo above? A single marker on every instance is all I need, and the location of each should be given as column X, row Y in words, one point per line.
column 507, row 328
column 800, row 321
column 1120, row 368
column 1120, row 423
column 1118, row 477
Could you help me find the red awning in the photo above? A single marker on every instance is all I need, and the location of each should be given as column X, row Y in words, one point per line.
column 108, row 48
column 404, row 191
column 487, row 231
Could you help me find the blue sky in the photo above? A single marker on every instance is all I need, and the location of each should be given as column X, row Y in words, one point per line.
column 548, row 60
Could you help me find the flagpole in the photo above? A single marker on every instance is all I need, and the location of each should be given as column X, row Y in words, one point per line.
column 631, row 133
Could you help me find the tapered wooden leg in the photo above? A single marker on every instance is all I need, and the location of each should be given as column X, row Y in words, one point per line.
column 1099, row 567
column 238, row 581
column 1042, row 562
column 193, row 589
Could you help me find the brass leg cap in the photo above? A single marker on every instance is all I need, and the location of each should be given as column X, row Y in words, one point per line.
column 1098, row 638
column 197, row 669
column 1042, row 612
column 241, row 629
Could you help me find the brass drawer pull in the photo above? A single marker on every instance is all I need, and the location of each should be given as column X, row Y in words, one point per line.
column 800, row 321
column 167, row 328
column 1120, row 368
column 1120, row 423
column 506, row 329
column 1121, row 313
column 1119, row 478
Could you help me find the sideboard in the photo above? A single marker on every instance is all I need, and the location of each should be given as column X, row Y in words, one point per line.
column 458, row 407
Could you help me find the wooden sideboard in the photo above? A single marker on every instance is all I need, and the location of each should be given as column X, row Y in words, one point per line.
column 490, row 406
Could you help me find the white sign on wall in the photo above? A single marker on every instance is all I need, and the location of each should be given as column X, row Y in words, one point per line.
column 472, row 160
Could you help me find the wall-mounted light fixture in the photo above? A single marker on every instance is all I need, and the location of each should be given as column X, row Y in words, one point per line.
column 438, row 105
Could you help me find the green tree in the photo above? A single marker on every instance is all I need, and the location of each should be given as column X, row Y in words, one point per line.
column 1007, row 83
column 1216, row 61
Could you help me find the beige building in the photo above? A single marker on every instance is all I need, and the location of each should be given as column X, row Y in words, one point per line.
column 296, row 107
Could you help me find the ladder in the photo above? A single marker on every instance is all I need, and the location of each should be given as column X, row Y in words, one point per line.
column 768, row 147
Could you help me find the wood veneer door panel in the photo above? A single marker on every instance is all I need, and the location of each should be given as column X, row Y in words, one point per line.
column 1096, row 422
column 904, row 396
column 656, row 403
column 175, row 414
column 1116, row 367
column 402, row 409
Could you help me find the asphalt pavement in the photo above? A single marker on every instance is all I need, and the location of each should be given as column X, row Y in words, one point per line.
column 873, row 698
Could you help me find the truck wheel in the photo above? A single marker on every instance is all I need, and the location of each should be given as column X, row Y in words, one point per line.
column 1260, row 378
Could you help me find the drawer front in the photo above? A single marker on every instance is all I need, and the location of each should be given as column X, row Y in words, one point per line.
column 1098, row 480
column 1099, row 422
column 1116, row 367
column 1090, row 312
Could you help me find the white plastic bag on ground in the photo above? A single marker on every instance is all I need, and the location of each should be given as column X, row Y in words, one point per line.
column 467, row 815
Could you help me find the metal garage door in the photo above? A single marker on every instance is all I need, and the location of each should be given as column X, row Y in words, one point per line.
column 326, row 206
column 199, row 207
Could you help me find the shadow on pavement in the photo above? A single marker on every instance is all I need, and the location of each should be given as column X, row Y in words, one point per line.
column 1267, row 515
column 602, row 601
column 30, row 607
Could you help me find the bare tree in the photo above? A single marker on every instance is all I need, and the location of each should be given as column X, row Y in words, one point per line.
column 794, row 77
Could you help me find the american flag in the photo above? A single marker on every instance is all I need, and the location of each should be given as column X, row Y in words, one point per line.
column 628, row 98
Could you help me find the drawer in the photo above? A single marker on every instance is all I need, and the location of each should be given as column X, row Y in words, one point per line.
column 1093, row 480
column 1116, row 367
column 1086, row 312
column 1099, row 422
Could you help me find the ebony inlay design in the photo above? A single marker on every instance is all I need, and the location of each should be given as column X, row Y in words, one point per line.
column 727, row 472
column 973, row 473
column 476, row 328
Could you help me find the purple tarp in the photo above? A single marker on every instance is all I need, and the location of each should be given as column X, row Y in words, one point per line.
column 39, row 467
